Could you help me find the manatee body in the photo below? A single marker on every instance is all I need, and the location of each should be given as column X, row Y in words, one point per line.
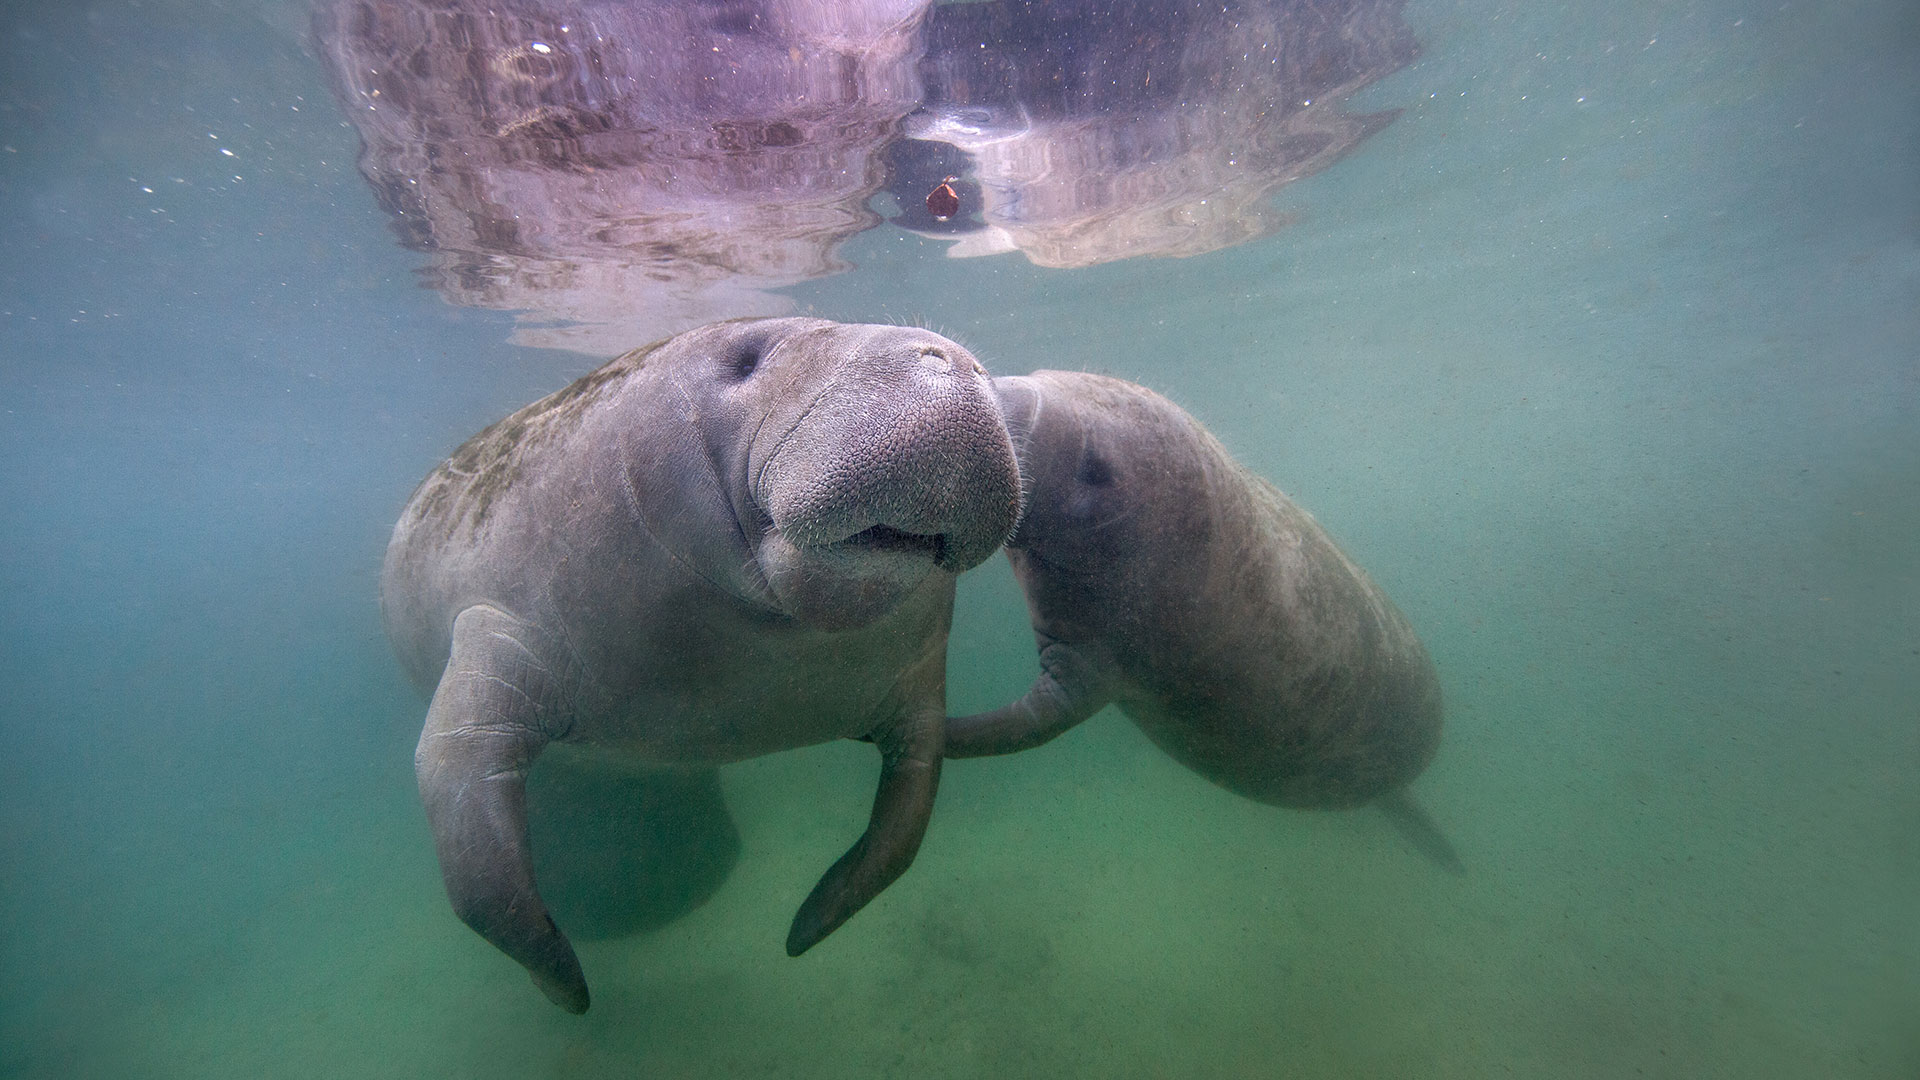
column 1163, row 576
column 740, row 540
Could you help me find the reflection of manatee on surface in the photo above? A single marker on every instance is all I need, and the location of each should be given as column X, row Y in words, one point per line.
column 633, row 168
column 1099, row 131
column 622, row 171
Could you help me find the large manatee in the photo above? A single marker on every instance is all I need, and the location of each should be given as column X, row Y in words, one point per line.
column 1163, row 576
column 740, row 540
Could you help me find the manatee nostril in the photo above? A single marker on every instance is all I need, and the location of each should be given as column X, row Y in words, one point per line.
column 939, row 361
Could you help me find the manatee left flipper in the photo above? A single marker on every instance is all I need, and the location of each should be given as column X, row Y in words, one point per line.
column 910, row 753
column 483, row 731
column 1074, row 683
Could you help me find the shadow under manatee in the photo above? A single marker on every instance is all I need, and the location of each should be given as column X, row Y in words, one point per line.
column 621, row 852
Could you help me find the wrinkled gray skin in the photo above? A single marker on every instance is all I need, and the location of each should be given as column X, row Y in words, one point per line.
column 1163, row 576
column 740, row 540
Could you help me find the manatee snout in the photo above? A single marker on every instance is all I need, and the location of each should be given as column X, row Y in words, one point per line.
column 900, row 464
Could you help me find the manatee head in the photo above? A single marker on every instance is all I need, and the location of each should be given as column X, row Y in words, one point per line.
column 856, row 460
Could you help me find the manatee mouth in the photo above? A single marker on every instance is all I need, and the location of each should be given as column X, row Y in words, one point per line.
column 887, row 540
column 852, row 581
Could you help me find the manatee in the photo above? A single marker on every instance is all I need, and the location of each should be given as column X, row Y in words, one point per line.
column 1163, row 576
column 740, row 540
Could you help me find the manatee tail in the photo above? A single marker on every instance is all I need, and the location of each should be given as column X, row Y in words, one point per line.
column 1419, row 830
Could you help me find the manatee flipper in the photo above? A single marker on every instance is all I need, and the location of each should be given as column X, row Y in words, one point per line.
column 910, row 753
column 1070, row 688
column 483, row 731
column 1420, row 830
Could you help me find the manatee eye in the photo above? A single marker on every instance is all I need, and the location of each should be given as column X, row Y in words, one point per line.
column 1095, row 472
column 743, row 360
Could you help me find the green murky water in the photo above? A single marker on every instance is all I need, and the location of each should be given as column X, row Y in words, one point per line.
column 1603, row 358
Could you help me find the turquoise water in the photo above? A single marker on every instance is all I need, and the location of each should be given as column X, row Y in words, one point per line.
column 1603, row 359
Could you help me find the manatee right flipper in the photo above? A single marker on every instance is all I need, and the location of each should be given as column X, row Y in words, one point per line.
column 910, row 754
column 483, row 731
column 1073, row 685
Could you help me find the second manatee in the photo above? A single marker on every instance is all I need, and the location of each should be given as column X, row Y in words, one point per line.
column 1163, row 576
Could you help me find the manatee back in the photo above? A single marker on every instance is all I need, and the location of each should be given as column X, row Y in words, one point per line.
column 481, row 526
